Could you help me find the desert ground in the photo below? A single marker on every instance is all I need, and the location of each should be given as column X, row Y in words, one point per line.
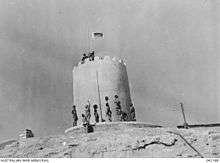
column 120, row 139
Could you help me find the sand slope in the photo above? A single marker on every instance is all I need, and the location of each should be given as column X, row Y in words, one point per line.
column 119, row 140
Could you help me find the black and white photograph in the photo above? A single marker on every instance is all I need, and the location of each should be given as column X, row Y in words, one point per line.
column 109, row 79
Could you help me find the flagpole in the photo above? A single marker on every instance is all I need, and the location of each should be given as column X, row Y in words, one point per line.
column 99, row 95
column 93, row 37
column 88, row 39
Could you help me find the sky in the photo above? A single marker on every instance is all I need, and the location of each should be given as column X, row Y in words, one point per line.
column 171, row 48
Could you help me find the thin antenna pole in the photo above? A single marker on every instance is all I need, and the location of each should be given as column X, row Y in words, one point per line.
column 90, row 43
column 184, row 117
column 99, row 95
column 88, row 35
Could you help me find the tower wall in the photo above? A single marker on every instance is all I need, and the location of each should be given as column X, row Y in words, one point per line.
column 112, row 79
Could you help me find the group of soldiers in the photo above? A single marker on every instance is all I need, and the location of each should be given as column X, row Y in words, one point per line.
column 122, row 116
column 90, row 56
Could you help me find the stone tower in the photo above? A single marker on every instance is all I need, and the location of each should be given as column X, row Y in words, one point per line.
column 93, row 80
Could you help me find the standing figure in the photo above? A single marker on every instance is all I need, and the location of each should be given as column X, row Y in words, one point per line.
column 91, row 56
column 123, row 116
column 75, row 117
column 108, row 112
column 87, row 111
column 116, row 100
column 132, row 112
column 83, row 58
column 118, row 108
column 106, row 99
column 117, row 105
column 96, row 115
column 85, row 123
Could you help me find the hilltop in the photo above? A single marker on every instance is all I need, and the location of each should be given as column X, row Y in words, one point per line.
column 121, row 139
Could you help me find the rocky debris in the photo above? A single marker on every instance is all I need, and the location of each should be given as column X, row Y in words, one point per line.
column 9, row 142
column 128, row 142
column 214, row 143
column 26, row 134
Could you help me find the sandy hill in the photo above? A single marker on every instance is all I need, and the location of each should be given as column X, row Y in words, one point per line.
column 128, row 139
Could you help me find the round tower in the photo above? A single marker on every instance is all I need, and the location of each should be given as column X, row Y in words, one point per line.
column 94, row 80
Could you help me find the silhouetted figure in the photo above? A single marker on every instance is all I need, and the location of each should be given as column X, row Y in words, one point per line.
column 87, row 111
column 118, row 108
column 96, row 115
column 85, row 123
column 106, row 98
column 116, row 100
column 75, row 117
column 123, row 116
column 92, row 56
column 84, row 120
column 132, row 112
column 84, row 57
column 108, row 112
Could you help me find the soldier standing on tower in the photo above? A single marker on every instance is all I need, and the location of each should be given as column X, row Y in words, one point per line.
column 108, row 112
column 92, row 56
column 83, row 58
column 96, row 113
column 75, row 117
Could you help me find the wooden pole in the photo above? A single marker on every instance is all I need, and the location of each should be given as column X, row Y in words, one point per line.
column 89, row 40
column 100, row 105
column 184, row 117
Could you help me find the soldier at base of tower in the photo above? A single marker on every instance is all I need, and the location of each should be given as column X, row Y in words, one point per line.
column 118, row 108
column 108, row 112
column 84, row 120
column 75, row 117
column 116, row 100
column 124, row 116
column 87, row 111
column 132, row 112
column 96, row 115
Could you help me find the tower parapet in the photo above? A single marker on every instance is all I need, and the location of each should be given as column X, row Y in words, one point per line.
column 101, row 60
column 94, row 80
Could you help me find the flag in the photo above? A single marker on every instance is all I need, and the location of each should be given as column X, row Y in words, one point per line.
column 97, row 35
